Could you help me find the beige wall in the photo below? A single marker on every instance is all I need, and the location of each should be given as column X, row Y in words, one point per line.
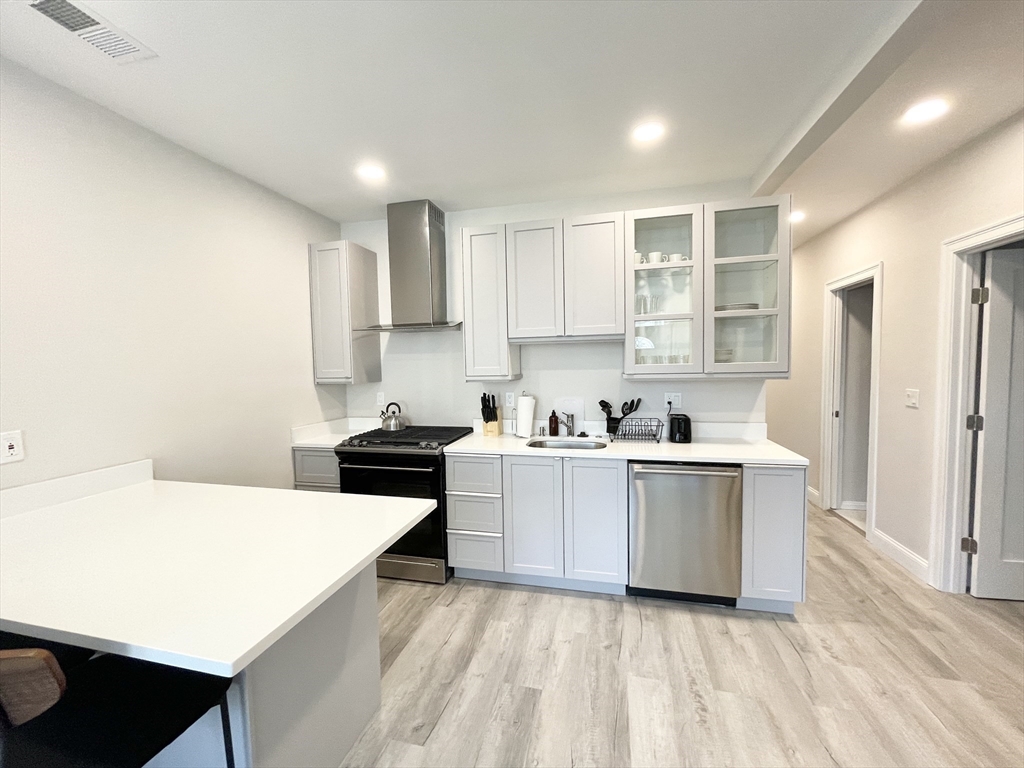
column 978, row 185
column 152, row 304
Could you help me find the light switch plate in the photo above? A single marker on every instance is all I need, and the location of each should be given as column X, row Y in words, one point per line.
column 912, row 398
column 380, row 398
column 510, row 399
column 11, row 447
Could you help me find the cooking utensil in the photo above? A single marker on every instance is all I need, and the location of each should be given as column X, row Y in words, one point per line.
column 635, row 406
column 392, row 421
column 606, row 407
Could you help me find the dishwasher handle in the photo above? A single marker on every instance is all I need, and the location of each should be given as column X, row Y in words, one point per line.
column 702, row 472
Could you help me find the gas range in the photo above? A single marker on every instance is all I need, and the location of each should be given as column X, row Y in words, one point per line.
column 424, row 441
column 405, row 462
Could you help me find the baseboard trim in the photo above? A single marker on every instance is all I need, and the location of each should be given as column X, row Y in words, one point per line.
column 814, row 497
column 576, row 585
column 892, row 549
column 854, row 506
column 761, row 604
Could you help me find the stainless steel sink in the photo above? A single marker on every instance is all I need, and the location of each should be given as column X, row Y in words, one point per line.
column 572, row 445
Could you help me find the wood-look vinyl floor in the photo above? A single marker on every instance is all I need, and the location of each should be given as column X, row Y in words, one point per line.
column 876, row 669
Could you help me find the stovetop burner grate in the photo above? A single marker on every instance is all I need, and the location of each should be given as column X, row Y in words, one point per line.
column 410, row 436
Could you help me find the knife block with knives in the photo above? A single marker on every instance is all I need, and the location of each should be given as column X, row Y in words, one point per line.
column 492, row 415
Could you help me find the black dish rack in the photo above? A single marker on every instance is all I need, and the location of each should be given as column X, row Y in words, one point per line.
column 635, row 430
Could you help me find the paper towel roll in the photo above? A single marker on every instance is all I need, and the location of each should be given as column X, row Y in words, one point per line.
column 524, row 416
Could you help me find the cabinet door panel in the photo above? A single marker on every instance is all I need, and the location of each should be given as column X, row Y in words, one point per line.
column 533, row 515
column 485, row 308
column 774, row 529
column 480, row 551
column 594, row 293
column 474, row 512
column 329, row 304
column 664, row 282
column 747, row 285
column 317, row 467
column 536, row 304
column 596, row 520
column 473, row 473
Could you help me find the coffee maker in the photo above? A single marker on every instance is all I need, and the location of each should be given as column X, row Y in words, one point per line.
column 679, row 430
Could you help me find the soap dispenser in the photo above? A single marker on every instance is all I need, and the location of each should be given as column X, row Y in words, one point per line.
column 553, row 424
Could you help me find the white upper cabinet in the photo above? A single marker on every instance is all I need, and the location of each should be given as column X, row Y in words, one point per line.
column 594, row 293
column 536, row 299
column 747, row 284
column 343, row 299
column 665, row 300
column 485, row 307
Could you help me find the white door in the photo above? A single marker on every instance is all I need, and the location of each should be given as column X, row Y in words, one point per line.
column 329, row 303
column 536, row 302
column 998, row 568
column 594, row 293
column 533, row 515
column 596, row 502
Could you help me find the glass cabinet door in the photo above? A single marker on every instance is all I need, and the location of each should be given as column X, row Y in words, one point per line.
column 747, row 284
column 665, row 291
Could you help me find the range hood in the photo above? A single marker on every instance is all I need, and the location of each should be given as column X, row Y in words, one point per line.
column 416, row 259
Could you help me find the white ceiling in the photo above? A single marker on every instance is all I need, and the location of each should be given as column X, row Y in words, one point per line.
column 973, row 57
column 470, row 104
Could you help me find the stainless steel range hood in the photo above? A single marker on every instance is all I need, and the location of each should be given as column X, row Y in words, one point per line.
column 416, row 259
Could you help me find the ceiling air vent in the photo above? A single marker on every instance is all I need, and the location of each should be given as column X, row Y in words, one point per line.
column 95, row 30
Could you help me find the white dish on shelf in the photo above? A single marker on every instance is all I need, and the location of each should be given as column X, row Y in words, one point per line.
column 741, row 305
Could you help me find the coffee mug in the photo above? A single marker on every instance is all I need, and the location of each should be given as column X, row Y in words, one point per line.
column 638, row 258
column 664, row 258
column 654, row 256
column 676, row 257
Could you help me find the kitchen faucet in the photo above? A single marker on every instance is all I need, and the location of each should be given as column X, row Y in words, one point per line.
column 569, row 425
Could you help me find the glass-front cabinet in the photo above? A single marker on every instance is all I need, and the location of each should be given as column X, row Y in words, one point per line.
column 746, row 285
column 707, row 289
column 665, row 291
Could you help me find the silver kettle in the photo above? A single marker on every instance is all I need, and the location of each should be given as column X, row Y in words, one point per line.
column 391, row 421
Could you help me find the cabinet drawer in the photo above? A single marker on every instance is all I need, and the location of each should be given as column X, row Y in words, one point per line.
column 316, row 467
column 482, row 551
column 476, row 474
column 474, row 511
column 320, row 488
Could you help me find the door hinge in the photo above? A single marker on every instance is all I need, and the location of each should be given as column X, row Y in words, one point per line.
column 975, row 422
column 969, row 545
column 979, row 295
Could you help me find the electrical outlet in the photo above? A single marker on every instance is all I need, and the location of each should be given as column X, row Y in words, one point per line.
column 12, row 447
column 510, row 399
column 674, row 400
column 380, row 398
column 912, row 398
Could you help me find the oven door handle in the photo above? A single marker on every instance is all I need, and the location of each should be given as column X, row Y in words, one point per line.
column 389, row 469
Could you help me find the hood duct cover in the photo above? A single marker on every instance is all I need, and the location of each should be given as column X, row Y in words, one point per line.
column 416, row 257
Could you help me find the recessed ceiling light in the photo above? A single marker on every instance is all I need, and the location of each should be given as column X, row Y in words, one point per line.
column 648, row 131
column 925, row 111
column 797, row 216
column 370, row 172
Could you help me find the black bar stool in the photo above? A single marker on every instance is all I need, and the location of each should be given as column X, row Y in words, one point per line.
column 108, row 712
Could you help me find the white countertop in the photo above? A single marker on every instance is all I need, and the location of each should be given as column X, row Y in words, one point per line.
column 327, row 434
column 729, row 451
column 204, row 577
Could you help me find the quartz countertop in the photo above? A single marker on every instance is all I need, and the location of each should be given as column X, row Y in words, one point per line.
column 203, row 577
column 704, row 451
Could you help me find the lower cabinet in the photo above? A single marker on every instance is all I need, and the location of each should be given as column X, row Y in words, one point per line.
column 480, row 551
column 596, row 520
column 774, row 532
column 566, row 518
column 532, row 489
column 316, row 469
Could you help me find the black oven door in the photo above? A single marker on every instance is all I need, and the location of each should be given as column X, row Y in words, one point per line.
column 411, row 477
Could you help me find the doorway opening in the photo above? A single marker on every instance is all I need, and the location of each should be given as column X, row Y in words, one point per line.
column 853, row 314
column 978, row 497
column 995, row 514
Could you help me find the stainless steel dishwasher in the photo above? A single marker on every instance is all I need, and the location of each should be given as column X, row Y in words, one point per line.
column 684, row 531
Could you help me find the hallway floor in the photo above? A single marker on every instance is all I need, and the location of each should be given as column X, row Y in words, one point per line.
column 875, row 669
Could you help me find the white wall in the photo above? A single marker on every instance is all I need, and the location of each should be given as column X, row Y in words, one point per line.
column 978, row 185
column 152, row 304
column 425, row 373
column 856, row 395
